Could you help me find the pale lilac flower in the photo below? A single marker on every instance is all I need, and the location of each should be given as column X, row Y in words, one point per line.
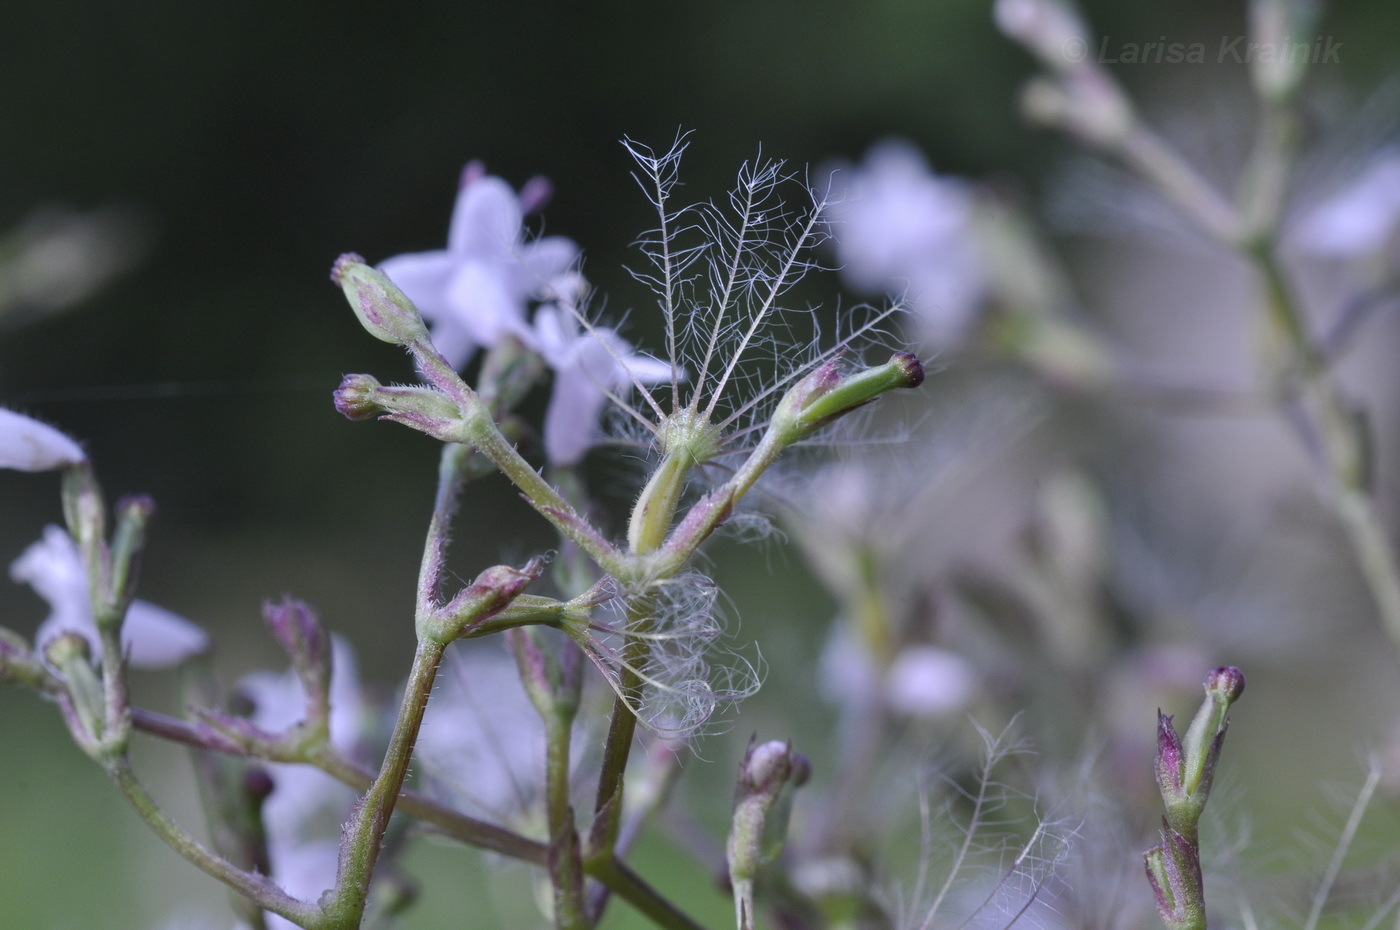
column 925, row 681
column 590, row 364
column 301, row 792
column 476, row 291
column 305, row 870
column 28, row 445
column 152, row 636
column 1360, row 219
column 902, row 230
column 481, row 745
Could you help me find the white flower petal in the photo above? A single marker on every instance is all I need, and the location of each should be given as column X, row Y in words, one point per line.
column 485, row 306
column 477, row 292
column 423, row 277
column 544, row 260
column 1360, row 219
column 154, row 637
column 571, row 422
column 486, row 219
column 482, row 744
column 925, row 681
column 54, row 569
column 300, row 793
column 28, row 445
column 904, row 231
column 304, row 870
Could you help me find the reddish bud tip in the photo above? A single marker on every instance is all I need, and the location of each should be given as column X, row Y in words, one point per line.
column 342, row 263
column 913, row 369
column 141, row 506
column 257, row 784
column 357, row 397
column 1226, row 682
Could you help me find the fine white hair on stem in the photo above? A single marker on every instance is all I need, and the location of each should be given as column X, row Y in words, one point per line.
column 681, row 689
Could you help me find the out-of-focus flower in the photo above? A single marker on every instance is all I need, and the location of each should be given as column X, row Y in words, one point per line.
column 300, row 792
column 925, row 681
column 476, row 290
column 58, row 257
column 482, row 744
column 152, row 636
column 901, row 229
column 304, row 798
column 28, row 445
column 1361, row 218
column 589, row 364
column 304, row 870
column 922, row 681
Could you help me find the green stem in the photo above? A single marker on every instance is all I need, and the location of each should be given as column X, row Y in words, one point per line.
column 1145, row 152
column 360, row 845
column 1343, row 448
column 612, row 872
column 565, row 865
column 623, row 725
column 259, row 888
column 480, row 431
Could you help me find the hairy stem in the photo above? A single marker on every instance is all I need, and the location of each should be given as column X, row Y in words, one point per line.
column 363, row 836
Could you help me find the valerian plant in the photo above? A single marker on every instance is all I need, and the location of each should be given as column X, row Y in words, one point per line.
column 990, row 566
column 728, row 397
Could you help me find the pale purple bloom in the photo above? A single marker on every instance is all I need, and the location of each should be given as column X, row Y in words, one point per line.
column 1360, row 219
column 925, row 681
column 589, row 363
column 481, row 745
column 902, row 230
column 305, row 870
column 477, row 290
column 28, row 445
column 300, row 792
column 152, row 636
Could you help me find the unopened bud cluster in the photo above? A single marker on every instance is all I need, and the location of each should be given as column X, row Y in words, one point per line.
column 1185, row 770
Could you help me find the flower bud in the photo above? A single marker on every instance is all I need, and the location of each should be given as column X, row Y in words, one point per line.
column 1185, row 766
column 763, row 804
column 1277, row 71
column 67, row 648
column 301, row 633
column 84, row 510
column 134, row 513
column 491, row 592
column 357, row 397
column 824, row 396
column 384, row 310
column 1225, row 683
column 18, row 665
column 425, row 409
column 1174, row 871
column 1048, row 29
column 1086, row 103
column 84, row 710
column 551, row 671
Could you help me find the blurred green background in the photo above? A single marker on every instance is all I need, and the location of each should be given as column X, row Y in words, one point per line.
column 256, row 141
